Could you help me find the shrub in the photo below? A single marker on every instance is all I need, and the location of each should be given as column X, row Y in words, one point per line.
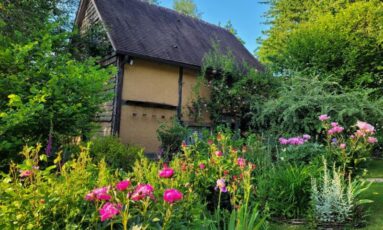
column 335, row 199
column 301, row 99
column 285, row 190
column 115, row 154
column 171, row 137
column 302, row 154
column 52, row 197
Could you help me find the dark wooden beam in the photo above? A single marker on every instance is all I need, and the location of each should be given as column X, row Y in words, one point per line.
column 180, row 82
column 150, row 104
column 121, row 60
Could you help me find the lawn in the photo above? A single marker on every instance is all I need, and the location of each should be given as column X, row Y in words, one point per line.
column 375, row 219
column 375, row 168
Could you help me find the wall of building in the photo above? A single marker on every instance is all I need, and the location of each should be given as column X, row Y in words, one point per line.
column 148, row 81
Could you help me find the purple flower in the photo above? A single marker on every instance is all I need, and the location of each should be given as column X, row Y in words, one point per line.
column 306, row 137
column 48, row 149
column 283, row 141
column 221, row 185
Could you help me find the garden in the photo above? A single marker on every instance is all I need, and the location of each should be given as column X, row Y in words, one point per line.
column 296, row 146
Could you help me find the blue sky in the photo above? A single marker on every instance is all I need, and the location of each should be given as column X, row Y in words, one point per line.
column 245, row 15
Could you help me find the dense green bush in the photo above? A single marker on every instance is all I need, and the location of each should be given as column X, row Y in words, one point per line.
column 171, row 137
column 115, row 154
column 285, row 190
column 301, row 100
column 302, row 154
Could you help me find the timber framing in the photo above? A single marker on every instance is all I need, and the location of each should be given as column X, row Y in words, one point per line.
column 121, row 61
column 150, row 104
column 180, row 83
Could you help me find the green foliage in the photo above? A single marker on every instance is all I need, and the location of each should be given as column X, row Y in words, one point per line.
column 285, row 190
column 340, row 40
column 44, row 90
column 171, row 137
column 115, row 154
column 302, row 154
column 302, row 100
column 52, row 196
column 337, row 197
column 237, row 90
column 187, row 7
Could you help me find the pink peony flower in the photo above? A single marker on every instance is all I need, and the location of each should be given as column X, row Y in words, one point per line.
column 123, row 185
column 98, row 194
column 342, row 146
column 218, row 153
column 109, row 210
column 142, row 191
column 26, row 173
column 172, row 195
column 221, row 185
column 241, row 162
column 324, row 117
column 372, row 140
column 365, row 127
column 166, row 173
column 334, row 124
column 202, row 166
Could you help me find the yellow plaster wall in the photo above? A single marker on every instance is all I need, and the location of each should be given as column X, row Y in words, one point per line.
column 151, row 82
column 139, row 125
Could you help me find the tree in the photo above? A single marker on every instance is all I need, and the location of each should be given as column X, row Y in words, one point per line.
column 187, row 7
column 340, row 40
column 44, row 91
column 229, row 26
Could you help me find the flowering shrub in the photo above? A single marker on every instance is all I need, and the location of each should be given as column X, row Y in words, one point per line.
column 349, row 149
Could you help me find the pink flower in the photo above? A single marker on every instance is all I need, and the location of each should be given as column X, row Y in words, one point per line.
column 283, row 141
column 372, row 140
column 98, row 194
column 123, row 185
column 210, row 142
column 296, row 141
column 324, row 117
column 109, row 210
column 365, row 127
column 166, row 173
column 306, row 137
column 221, row 185
column 342, row 146
column 26, row 173
column 218, row 153
column 336, row 128
column 241, row 162
column 202, row 166
column 142, row 191
column 172, row 195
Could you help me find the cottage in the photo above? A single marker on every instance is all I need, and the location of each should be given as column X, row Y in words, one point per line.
column 158, row 53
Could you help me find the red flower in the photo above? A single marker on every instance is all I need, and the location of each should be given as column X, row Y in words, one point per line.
column 123, row 185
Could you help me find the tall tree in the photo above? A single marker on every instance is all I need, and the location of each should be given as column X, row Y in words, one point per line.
column 44, row 91
column 337, row 39
column 187, row 7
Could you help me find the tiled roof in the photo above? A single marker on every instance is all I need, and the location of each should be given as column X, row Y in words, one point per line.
column 141, row 29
